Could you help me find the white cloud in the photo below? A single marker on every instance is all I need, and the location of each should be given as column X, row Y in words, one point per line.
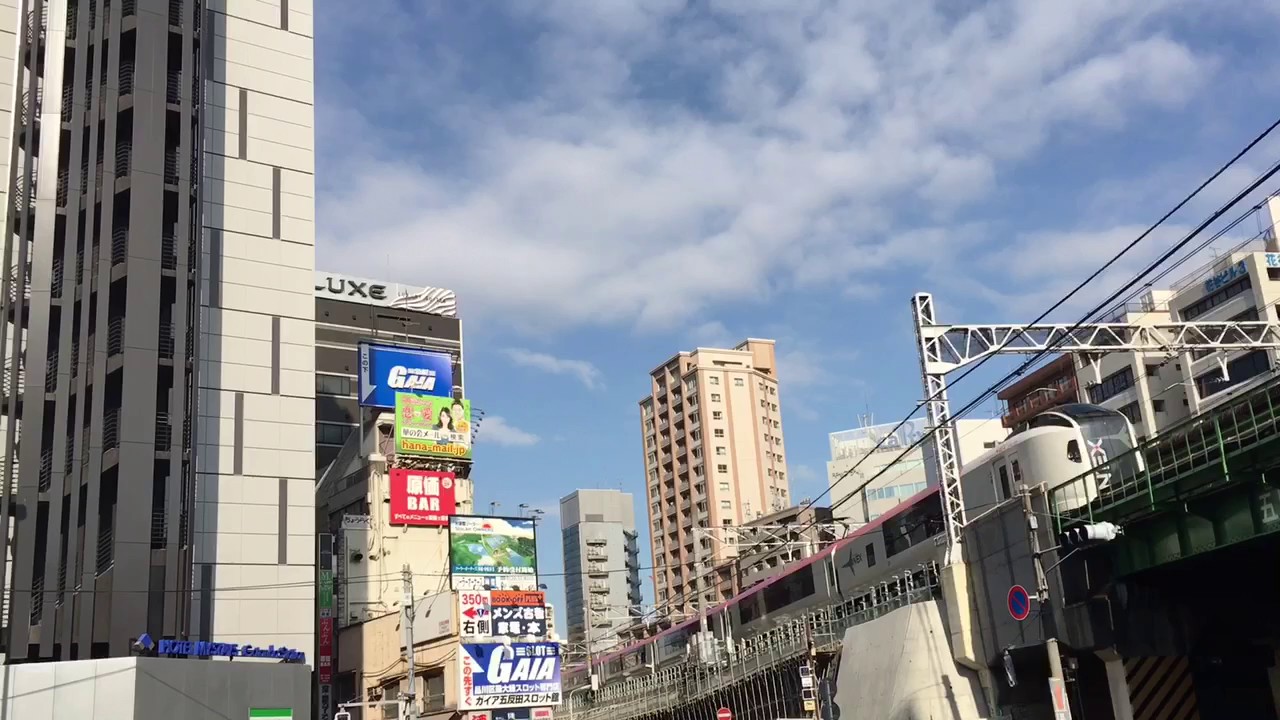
column 585, row 372
column 713, row 334
column 783, row 143
column 494, row 429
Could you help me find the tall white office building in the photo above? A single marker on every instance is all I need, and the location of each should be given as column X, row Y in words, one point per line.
column 601, row 565
column 158, row 327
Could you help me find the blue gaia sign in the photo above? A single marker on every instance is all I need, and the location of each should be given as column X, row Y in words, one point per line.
column 205, row 649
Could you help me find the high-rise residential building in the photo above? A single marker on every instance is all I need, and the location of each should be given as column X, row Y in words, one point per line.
column 601, row 565
column 857, row 461
column 713, row 456
column 158, row 334
column 349, row 310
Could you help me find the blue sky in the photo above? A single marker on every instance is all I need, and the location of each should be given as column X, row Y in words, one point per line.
column 606, row 182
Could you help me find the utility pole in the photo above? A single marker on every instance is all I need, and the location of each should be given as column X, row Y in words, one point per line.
column 411, row 696
column 1042, row 592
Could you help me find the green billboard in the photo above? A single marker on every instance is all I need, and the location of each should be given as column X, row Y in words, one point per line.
column 433, row 426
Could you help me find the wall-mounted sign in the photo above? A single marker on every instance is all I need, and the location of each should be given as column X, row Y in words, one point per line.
column 436, row 301
column 1240, row 269
column 1273, row 260
column 492, row 553
column 503, row 613
column 389, row 369
column 357, row 522
column 433, row 427
column 492, row 675
column 422, row 497
column 204, row 649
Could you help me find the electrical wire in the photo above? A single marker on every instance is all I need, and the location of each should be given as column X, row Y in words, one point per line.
column 995, row 388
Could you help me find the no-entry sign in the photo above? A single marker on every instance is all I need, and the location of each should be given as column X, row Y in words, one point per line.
column 1019, row 603
column 724, row 714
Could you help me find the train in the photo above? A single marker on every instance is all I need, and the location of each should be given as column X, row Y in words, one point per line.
column 1059, row 445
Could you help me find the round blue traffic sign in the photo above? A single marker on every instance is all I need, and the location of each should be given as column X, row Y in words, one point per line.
column 1019, row 603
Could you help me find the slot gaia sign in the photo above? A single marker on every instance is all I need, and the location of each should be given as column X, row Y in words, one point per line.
column 494, row 676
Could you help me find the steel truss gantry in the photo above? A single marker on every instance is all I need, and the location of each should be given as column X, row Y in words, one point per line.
column 946, row 348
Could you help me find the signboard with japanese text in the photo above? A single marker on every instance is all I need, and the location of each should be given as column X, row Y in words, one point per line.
column 386, row 370
column 492, row 553
column 422, row 497
column 503, row 613
column 492, row 675
column 433, row 427
column 324, row 649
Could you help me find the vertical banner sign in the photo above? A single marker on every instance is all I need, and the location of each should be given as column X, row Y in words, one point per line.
column 422, row 497
column 492, row 553
column 518, row 613
column 386, row 370
column 324, row 613
column 433, row 427
column 324, row 647
column 492, row 675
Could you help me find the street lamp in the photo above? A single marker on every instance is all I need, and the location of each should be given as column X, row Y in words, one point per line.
column 493, row 507
column 524, row 509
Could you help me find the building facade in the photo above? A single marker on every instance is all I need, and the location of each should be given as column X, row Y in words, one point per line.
column 158, row 336
column 349, row 310
column 601, row 565
column 857, row 461
column 1048, row 386
column 713, row 456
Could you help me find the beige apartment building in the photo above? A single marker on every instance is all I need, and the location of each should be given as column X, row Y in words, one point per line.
column 714, row 457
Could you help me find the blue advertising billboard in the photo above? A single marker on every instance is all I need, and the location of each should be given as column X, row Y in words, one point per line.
column 492, row 675
column 389, row 369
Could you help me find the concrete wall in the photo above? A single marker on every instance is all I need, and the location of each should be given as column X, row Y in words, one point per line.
column 146, row 688
column 900, row 667
column 255, row 504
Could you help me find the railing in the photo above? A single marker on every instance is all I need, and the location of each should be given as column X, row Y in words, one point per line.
column 164, row 432
column 115, row 336
column 124, row 154
column 159, row 530
column 175, row 13
column 119, row 245
column 37, row 599
column 129, row 8
column 173, row 88
column 691, row 681
column 51, row 372
column 1200, row 443
column 106, row 548
column 168, row 252
column 166, row 343
column 84, row 176
column 13, row 283
column 75, row 357
column 111, row 430
column 55, row 281
column 64, row 186
column 171, row 167
column 41, row 25
column 126, row 79
column 10, row 388
column 79, row 267
column 73, row 13
column 46, row 469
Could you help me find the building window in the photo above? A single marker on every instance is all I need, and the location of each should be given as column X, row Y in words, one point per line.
column 739, row 382
column 720, row 450
column 871, row 555
column 1157, row 405
column 1131, row 411
column 715, row 397
column 339, row 385
column 726, row 505
column 717, row 415
column 1208, row 302
column 722, row 468
column 1239, row 370
column 1111, row 385
column 714, row 380
column 724, row 487
column 1151, row 370
column 330, row 434
column 719, row 432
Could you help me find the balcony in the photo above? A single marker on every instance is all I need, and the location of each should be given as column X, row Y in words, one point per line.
column 173, row 88
column 51, row 372
column 72, row 17
column 46, row 469
column 599, row 586
column 168, row 252
column 164, row 432
column 124, row 156
column 166, row 343
column 55, row 282
column 597, row 553
column 597, row 541
column 171, row 167
column 159, row 530
column 64, row 186
column 115, row 336
column 119, row 245
column 75, row 358
column 126, row 79
column 1040, row 399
